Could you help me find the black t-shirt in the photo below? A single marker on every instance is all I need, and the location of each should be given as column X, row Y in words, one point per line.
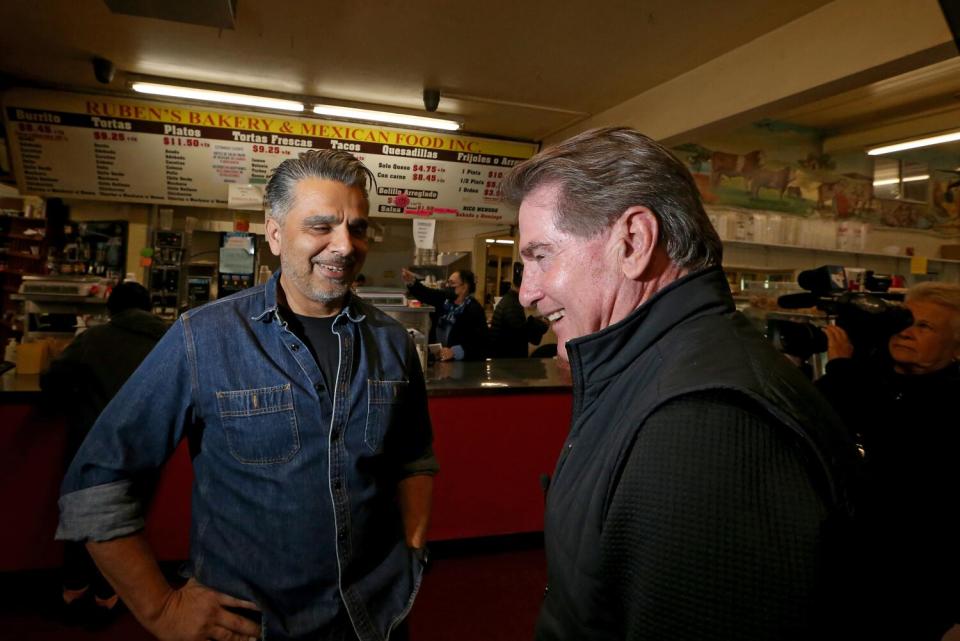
column 318, row 335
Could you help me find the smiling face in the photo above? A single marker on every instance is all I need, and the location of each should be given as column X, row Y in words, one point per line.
column 572, row 280
column 322, row 244
column 930, row 344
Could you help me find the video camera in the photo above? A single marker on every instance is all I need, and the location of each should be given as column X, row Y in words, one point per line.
column 869, row 318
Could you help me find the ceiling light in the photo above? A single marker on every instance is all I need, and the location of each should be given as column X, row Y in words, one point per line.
column 192, row 93
column 913, row 144
column 501, row 241
column 894, row 181
column 386, row 116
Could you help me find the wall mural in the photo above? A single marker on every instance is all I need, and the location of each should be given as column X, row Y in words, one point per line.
column 779, row 168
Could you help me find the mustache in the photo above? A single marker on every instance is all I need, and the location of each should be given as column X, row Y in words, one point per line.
column 340, row 261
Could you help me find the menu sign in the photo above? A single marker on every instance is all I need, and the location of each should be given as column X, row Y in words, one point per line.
column 106, row 148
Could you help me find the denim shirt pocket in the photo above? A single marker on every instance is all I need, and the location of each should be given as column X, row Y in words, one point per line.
column 260, row 424
column 383, row 400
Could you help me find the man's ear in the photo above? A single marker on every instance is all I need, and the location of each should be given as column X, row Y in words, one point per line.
column 273, row 235
column 638, row 235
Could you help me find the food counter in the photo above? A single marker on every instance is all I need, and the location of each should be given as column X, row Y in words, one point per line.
column 498, row 428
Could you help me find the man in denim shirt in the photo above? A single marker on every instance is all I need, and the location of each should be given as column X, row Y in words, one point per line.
column 306, row 413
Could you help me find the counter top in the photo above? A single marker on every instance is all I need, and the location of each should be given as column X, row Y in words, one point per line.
column 19, row 388
column 511, row 375
column 496, row 376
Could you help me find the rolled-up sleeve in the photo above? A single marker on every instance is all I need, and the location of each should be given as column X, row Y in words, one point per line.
column 133, row 437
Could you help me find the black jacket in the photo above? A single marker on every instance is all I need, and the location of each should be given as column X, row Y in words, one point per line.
column 470, row 329
column 93, row 368
column 909, row 519
column 689, row 341
column 508, row 335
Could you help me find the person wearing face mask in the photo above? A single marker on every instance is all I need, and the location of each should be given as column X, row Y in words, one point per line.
column 460, row 324
column 903, row 411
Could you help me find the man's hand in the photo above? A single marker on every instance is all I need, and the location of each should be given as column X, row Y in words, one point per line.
column 197, row 613
column 446, row 354
column 407, row 276
column 838, row 343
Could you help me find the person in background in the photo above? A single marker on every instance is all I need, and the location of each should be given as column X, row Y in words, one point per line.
column 306, row 412
column 903, row 410
column 511, row 330
column 81, row 381
column 359, row 281
column 702, row 490
column 461, row 323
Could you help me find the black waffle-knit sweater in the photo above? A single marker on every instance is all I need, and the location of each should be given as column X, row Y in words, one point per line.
column 704, row 489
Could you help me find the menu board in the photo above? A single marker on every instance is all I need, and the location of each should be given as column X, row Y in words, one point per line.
column 114, row 149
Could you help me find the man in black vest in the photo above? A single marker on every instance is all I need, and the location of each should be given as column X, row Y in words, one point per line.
column 703, row 491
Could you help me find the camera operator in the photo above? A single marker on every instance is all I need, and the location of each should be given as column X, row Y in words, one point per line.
column 902, row 408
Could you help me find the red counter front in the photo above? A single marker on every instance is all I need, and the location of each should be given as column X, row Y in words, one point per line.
column 493, row 449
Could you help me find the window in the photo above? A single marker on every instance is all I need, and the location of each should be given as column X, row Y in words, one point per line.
column 895, row 179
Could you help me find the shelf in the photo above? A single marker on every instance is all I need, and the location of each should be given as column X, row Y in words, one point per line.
column 750, row 243
column 25, row 255
column 41, row 221
column 25, row 237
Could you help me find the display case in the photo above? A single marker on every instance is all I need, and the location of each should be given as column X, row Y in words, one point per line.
column 23, row 250
column 434, row 270
column 52, row 304
column 165, row 269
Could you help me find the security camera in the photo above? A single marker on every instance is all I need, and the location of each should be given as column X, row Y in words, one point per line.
column 431, row 99
column 103, row 69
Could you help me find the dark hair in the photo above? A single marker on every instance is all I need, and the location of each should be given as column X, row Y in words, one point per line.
column 128, row 296
column 467, row 276
column 504, row 287
column 603, row 172
column 329, row 164
column 360, row 278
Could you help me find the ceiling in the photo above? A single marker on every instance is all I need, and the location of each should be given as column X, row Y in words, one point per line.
column 514, row 68
column 931, row 90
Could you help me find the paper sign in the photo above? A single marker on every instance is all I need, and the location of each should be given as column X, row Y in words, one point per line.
column 423, row 232
column 245, row 197
column 234, row 260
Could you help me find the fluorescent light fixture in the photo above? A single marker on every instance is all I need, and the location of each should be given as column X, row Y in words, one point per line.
column 913, row 144
column 191, row 93
column 490, row 241
column 894, row 181
column 501, row 241
column 386, row 116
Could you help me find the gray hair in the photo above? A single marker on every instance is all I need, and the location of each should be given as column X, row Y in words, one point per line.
column 943, row 294
column 603, row 172
column 329, row 164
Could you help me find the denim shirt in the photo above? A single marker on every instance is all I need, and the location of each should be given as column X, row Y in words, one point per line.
column 294, row 502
